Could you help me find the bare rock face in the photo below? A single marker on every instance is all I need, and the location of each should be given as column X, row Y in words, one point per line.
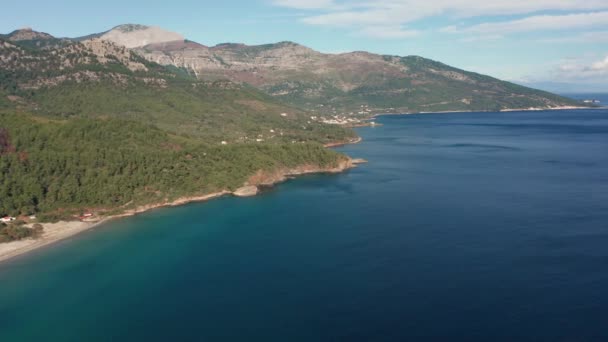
column 133, row 36
column 246, row 191
column 102, row 49
column 345, row 83
column 284, row 64
column 78, row 62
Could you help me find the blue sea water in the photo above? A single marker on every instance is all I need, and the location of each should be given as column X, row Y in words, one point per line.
column 467, row 226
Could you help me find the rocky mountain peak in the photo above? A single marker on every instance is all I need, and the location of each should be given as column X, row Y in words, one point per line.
column 28, row 34
column 135, row 35
column 126, row 28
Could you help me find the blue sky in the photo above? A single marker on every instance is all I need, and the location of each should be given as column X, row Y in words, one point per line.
column 564, row 41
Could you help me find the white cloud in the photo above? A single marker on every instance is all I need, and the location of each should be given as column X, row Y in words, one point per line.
column 600, row 66
column 482, row 38
column 584, row 37
column 582, row 70
column 537, row 23
column 585, row 73
column 366, row 15
column 305, row 4
column 388, row 32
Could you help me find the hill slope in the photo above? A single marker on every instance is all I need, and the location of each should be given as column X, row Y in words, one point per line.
column 90, row 125
column 97, row 78
column 61, row 166
column 344, row 82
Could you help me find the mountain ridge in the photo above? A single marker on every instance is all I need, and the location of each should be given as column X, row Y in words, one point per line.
column 333, row 84
column 91, row 126
column 342, row 83
column 99, row 78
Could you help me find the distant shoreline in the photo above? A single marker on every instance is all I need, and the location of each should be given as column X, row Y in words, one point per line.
column 344, row 143
column 58, row 231
column 534, row 109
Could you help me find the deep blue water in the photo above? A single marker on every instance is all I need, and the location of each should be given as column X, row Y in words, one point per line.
column 472, row 226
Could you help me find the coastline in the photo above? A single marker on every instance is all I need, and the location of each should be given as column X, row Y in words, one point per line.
column 531, row 109
column 58, row 231
column 343, row 143
column 55, row 232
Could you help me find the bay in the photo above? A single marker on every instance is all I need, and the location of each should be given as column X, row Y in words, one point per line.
column 463, row 226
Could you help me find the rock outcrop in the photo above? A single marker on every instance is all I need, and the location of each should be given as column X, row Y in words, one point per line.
column 106, row 51
column 246, row 191
column 268, row 178
column 28, row 34
column 133, row 36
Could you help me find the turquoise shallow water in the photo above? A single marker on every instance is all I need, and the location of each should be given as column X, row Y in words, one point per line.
column 476, row 226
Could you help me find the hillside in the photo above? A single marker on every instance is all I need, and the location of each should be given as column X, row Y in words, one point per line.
column 90, row 125
column 97, row 78
column 343, row 83
column 61, row 166
column 135, row 115
column 356, row 83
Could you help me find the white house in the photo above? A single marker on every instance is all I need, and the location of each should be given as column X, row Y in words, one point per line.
column 7, row 219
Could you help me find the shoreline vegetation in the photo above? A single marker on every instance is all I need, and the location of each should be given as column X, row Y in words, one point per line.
column 91, row 130
column 61, row 230
column 55, row 232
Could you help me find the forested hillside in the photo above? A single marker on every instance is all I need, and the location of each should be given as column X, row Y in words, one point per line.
column 48, row 165
column 90, row 125
column 96, row 78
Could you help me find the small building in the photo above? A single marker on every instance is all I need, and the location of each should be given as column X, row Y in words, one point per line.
column 85, row 216
column 6, row 219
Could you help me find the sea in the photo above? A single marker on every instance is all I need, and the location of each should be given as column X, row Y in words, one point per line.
column 462, row 227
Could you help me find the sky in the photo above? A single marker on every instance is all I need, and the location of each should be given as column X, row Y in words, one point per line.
column 549, row 43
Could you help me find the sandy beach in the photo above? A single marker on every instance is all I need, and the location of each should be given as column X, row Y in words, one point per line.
column 54, row 232
column 61, row 230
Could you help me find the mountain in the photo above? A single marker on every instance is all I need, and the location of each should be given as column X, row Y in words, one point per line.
column 98, row 78
column 135, row 35
column 89, row 125
column 343, row 83
column 34, row 39
column 138, row 115
column 28, row 34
